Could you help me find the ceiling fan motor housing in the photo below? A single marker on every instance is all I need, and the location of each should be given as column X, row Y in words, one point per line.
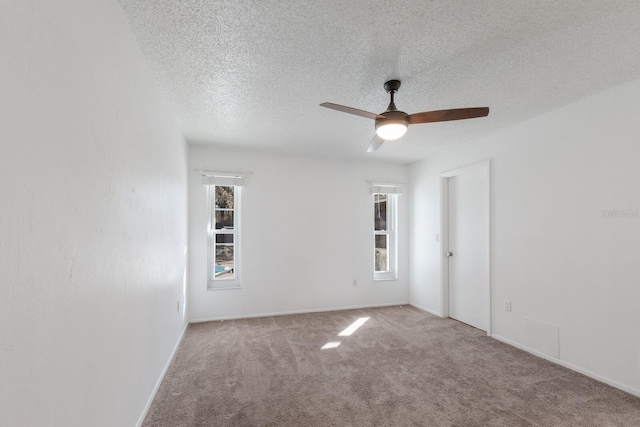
column 393, row 117
column 393, row 125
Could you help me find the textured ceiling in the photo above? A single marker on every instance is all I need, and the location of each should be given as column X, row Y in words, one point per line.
column 252, row 73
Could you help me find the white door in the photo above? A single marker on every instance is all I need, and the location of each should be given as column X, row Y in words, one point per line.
column 468, row 241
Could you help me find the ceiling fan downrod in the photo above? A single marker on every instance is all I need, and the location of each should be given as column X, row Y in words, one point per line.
column 392, row 87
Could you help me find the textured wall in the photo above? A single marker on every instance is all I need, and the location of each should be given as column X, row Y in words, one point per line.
column 93, row 219
column 307, row 232
column 559, row 254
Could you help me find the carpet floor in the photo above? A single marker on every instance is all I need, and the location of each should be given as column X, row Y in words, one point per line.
column 401, row 367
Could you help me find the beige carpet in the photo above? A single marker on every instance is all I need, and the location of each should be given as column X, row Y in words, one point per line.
column 402, row 367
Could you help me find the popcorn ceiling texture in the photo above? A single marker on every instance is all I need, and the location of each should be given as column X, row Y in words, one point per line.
column 252, row 73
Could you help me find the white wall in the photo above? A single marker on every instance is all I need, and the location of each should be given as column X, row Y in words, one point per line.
column 307, row 232
column 93, row 219
column 554, row 255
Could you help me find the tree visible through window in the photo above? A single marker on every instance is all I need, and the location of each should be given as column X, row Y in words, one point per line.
column 223, row 236
column 384, row 207
column 381, row 232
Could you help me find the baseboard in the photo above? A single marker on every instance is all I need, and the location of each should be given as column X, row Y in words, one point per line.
column 284, row 313
column 568, row 365
column 419, row 307
column 162, row 374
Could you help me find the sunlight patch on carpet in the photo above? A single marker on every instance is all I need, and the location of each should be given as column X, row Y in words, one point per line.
column 353, row 327
column 332, row 344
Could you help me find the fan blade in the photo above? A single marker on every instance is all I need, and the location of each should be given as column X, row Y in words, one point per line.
column 350, row 110
column 376, row 142
column 446, row 115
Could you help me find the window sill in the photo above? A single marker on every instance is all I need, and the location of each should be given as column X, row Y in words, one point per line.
column 223, row 288
column 385, row 277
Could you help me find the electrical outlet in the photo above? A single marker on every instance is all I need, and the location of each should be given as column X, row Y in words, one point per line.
column 355, row 283
column 507, row 305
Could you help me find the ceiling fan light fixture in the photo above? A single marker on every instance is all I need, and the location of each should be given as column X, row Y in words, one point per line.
column 391, row 131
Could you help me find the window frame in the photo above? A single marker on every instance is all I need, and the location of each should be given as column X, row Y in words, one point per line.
column 214, row 283
column 392, row 239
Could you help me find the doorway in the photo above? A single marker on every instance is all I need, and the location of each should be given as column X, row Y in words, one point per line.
column 466, row 249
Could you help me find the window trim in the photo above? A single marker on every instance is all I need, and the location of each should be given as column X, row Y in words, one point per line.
column 214, row 284
column 392, row 245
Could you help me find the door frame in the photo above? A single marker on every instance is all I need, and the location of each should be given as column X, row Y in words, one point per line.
column 484, row 166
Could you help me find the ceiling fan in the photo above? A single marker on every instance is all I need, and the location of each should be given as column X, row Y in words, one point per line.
column 393, row 123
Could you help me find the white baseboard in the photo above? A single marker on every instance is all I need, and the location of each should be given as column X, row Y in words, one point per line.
column 284, row 313
column 419, row 307
column 162, row 374
column 568, row 365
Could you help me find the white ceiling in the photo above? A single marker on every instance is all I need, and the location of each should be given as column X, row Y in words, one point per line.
column 251, row 73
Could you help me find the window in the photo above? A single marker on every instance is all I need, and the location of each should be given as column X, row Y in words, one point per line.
column 385, row 205
column 224, row 230
column 384, row 230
